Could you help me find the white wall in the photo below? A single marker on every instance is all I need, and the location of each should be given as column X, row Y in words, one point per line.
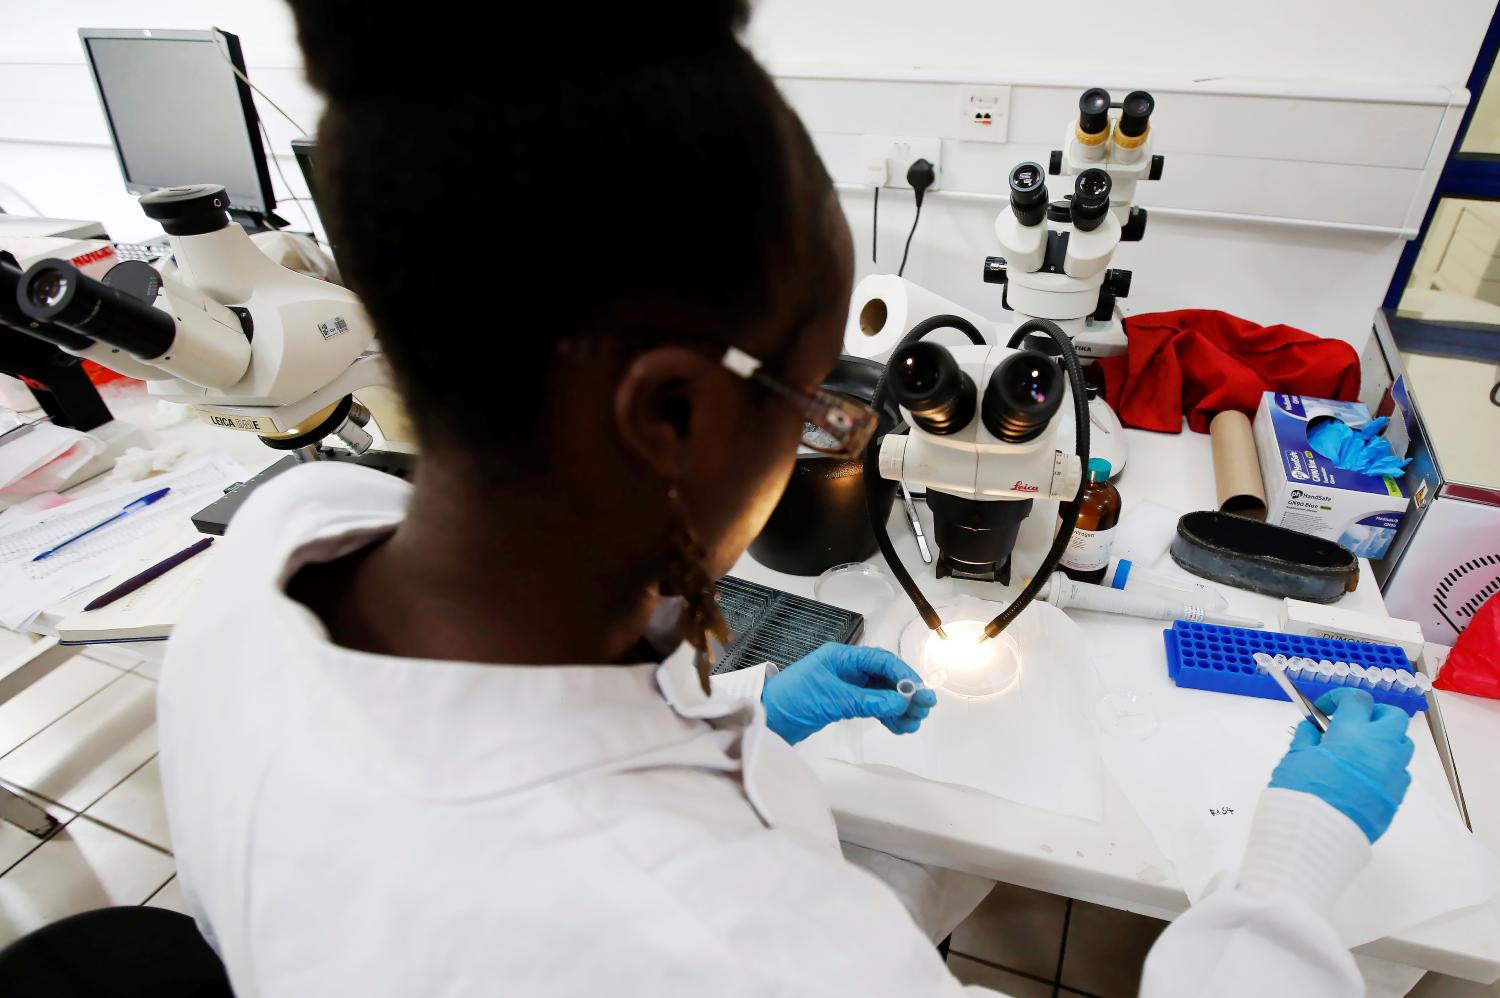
column 1387, row 42
column 54, row 146
column 1281, row 201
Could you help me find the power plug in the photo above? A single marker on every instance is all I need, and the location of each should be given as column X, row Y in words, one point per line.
column 921, row 176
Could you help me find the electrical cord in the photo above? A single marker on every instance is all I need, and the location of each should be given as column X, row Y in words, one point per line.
column 875, row 230
column 1068, row 511
column 872, row 468
column 915, row 219
column 236, row 70
column 921, row 176
column 266, row 134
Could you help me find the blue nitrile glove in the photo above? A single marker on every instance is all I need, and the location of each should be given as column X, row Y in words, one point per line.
column 1363, row 450
column 838, row 682
column 1359, row 766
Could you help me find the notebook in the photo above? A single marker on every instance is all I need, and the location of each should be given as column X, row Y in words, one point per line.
column 149, row 613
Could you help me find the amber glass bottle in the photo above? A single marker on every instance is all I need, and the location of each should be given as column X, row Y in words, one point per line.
column 1087, row 555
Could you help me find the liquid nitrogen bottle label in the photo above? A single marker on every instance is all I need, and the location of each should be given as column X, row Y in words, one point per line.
column 1088, row 549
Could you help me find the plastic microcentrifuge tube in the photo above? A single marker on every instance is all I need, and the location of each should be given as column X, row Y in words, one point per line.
column 1424, row 685
column 1324, row 671
column 1340, row 670
column 1286, row 665
column 1405, row 681
column 1262, row 661
column 907, row 689
column 1385, row 679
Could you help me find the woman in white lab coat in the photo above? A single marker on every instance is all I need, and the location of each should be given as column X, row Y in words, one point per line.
column 440, row 739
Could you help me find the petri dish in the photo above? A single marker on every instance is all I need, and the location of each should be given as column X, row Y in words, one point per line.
column 1126, row 712
column 856, row 586
column 961, row 664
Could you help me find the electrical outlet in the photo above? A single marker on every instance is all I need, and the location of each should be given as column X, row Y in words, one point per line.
column 984, row 114
column 898, row 153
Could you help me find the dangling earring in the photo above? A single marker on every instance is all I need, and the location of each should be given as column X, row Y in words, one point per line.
column 701, row 618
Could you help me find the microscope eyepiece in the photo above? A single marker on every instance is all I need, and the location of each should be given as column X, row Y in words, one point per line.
column 1023, row 395
column 1093, row 111
column 1135, row 113
column 57, row 293
column 927, row 381
column 188, row 211
column 1090, row 199
column 1028, row 193
column 50, row 288
column 11, row 314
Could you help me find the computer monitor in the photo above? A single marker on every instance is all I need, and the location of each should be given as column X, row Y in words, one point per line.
column 177, row 112
column 305, row 149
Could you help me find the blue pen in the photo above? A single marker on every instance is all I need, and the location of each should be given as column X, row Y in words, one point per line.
column 140, row 503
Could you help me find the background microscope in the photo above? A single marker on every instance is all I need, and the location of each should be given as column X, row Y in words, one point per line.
column 1057, row 254
column 247, row 343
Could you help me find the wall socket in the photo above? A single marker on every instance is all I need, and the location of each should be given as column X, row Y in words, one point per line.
column 898, row 153
column 984, row 114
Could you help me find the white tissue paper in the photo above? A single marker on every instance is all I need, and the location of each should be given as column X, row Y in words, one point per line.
column 1195, row 783
column 41, row 459
column 883, row 309
column 138, row 462
column 1032, row 745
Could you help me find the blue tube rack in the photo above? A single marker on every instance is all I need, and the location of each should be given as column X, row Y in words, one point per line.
column 1213, row 657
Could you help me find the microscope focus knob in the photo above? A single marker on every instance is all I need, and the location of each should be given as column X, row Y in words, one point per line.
column 1156, row 164
column 1117, row 283
column 994, row 270
column 1054, row 163
column 1134, row 228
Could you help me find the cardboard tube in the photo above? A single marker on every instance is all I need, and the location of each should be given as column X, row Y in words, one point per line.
column 1236, row 466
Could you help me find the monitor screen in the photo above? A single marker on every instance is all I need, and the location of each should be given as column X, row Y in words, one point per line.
column 178, row 114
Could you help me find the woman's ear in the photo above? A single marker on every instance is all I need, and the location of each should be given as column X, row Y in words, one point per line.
column 665, row 406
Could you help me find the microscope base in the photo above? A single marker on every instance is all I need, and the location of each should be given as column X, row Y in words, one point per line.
column 1100, row 340
column 214, row 518
column 1106, row 435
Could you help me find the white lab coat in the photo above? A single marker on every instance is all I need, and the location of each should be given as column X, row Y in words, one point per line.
column 357, row 824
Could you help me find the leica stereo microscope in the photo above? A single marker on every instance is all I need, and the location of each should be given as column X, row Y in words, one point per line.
column 1056, row 262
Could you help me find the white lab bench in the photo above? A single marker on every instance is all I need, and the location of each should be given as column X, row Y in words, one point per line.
column 1116, row 861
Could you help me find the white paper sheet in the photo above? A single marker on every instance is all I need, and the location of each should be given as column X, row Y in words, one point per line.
column 1195, row 783
column 1032, row 745
column 27, row 587
column 33, row 450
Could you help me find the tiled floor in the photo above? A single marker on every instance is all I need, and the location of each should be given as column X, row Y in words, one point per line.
column 81, row 743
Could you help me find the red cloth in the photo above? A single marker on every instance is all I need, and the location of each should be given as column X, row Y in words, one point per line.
column 1200, row 362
